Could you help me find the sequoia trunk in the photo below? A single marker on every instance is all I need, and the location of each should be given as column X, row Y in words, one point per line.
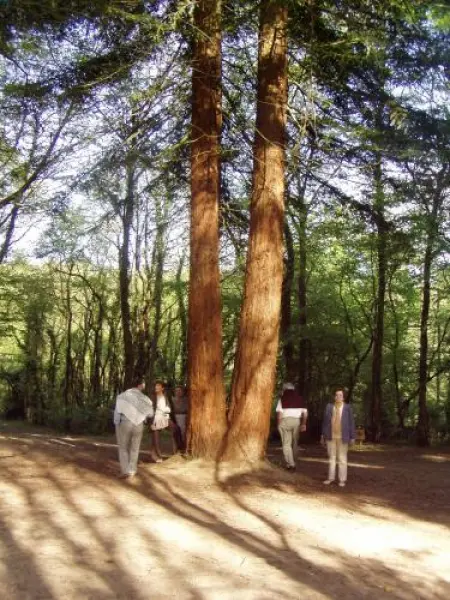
column 207, row 421
column 254, row 374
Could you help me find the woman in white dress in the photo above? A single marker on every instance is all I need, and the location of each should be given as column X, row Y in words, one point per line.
column 161, row 420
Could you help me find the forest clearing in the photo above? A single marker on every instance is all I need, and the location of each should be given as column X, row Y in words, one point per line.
column 226, row 195
column 242, row 209
column 71, row 529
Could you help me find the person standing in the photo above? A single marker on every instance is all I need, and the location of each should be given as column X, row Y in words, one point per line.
column 132, row 408
column 291, row 418
column 338, row 431
column 161, row 420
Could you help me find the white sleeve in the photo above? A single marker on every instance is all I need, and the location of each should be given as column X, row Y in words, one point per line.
column 152, row 412
column 279, row 407
column 116, row 417
column 163, row 405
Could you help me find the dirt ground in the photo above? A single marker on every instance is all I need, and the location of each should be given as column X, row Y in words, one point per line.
column 70, row 529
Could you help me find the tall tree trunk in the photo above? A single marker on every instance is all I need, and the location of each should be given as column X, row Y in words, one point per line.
column 447, row 407
column 439, row 351
column 112, row 363
column 304, row 343
column 33, row 392
column 182, row 320
column 399, row 404
column 423, row 433
column 422, row 424
column 254, row 372
column 97, row 353
column 207, row 422
column 68, row 374
column 82, row 355
column 377, row 354
column 143, row 336
column 160, row 252
column 52, row 368
column 286, row 312
column 124, row 278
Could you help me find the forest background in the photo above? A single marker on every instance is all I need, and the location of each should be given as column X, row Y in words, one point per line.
column 99, row 102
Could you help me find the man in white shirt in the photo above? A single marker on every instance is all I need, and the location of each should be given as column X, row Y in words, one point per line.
column 132, row 408
column 291, row 417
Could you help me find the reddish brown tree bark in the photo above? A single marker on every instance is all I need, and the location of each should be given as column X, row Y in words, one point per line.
column 254, row 374
column 207, row 422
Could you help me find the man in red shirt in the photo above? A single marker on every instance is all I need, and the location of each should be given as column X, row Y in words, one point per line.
column 291, row 417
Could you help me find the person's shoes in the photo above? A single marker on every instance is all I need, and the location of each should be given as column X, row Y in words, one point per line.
column 158, row 459
column 123, row 476
column 289, row 467
column 342, row 484
column 328, row 481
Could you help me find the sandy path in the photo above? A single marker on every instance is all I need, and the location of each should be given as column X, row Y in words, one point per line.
column 70, row 530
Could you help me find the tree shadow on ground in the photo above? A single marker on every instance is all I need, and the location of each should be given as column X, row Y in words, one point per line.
column 326, row 572
column 409, row 480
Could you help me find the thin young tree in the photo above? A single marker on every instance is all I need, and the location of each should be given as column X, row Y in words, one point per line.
column 432, row 195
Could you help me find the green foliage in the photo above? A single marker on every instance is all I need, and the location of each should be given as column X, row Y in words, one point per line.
column 440, row 15
column 89, row 419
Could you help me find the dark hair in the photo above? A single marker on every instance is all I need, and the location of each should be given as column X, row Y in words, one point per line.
column 160, row 383
column 137, row 381
column 341, row 389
